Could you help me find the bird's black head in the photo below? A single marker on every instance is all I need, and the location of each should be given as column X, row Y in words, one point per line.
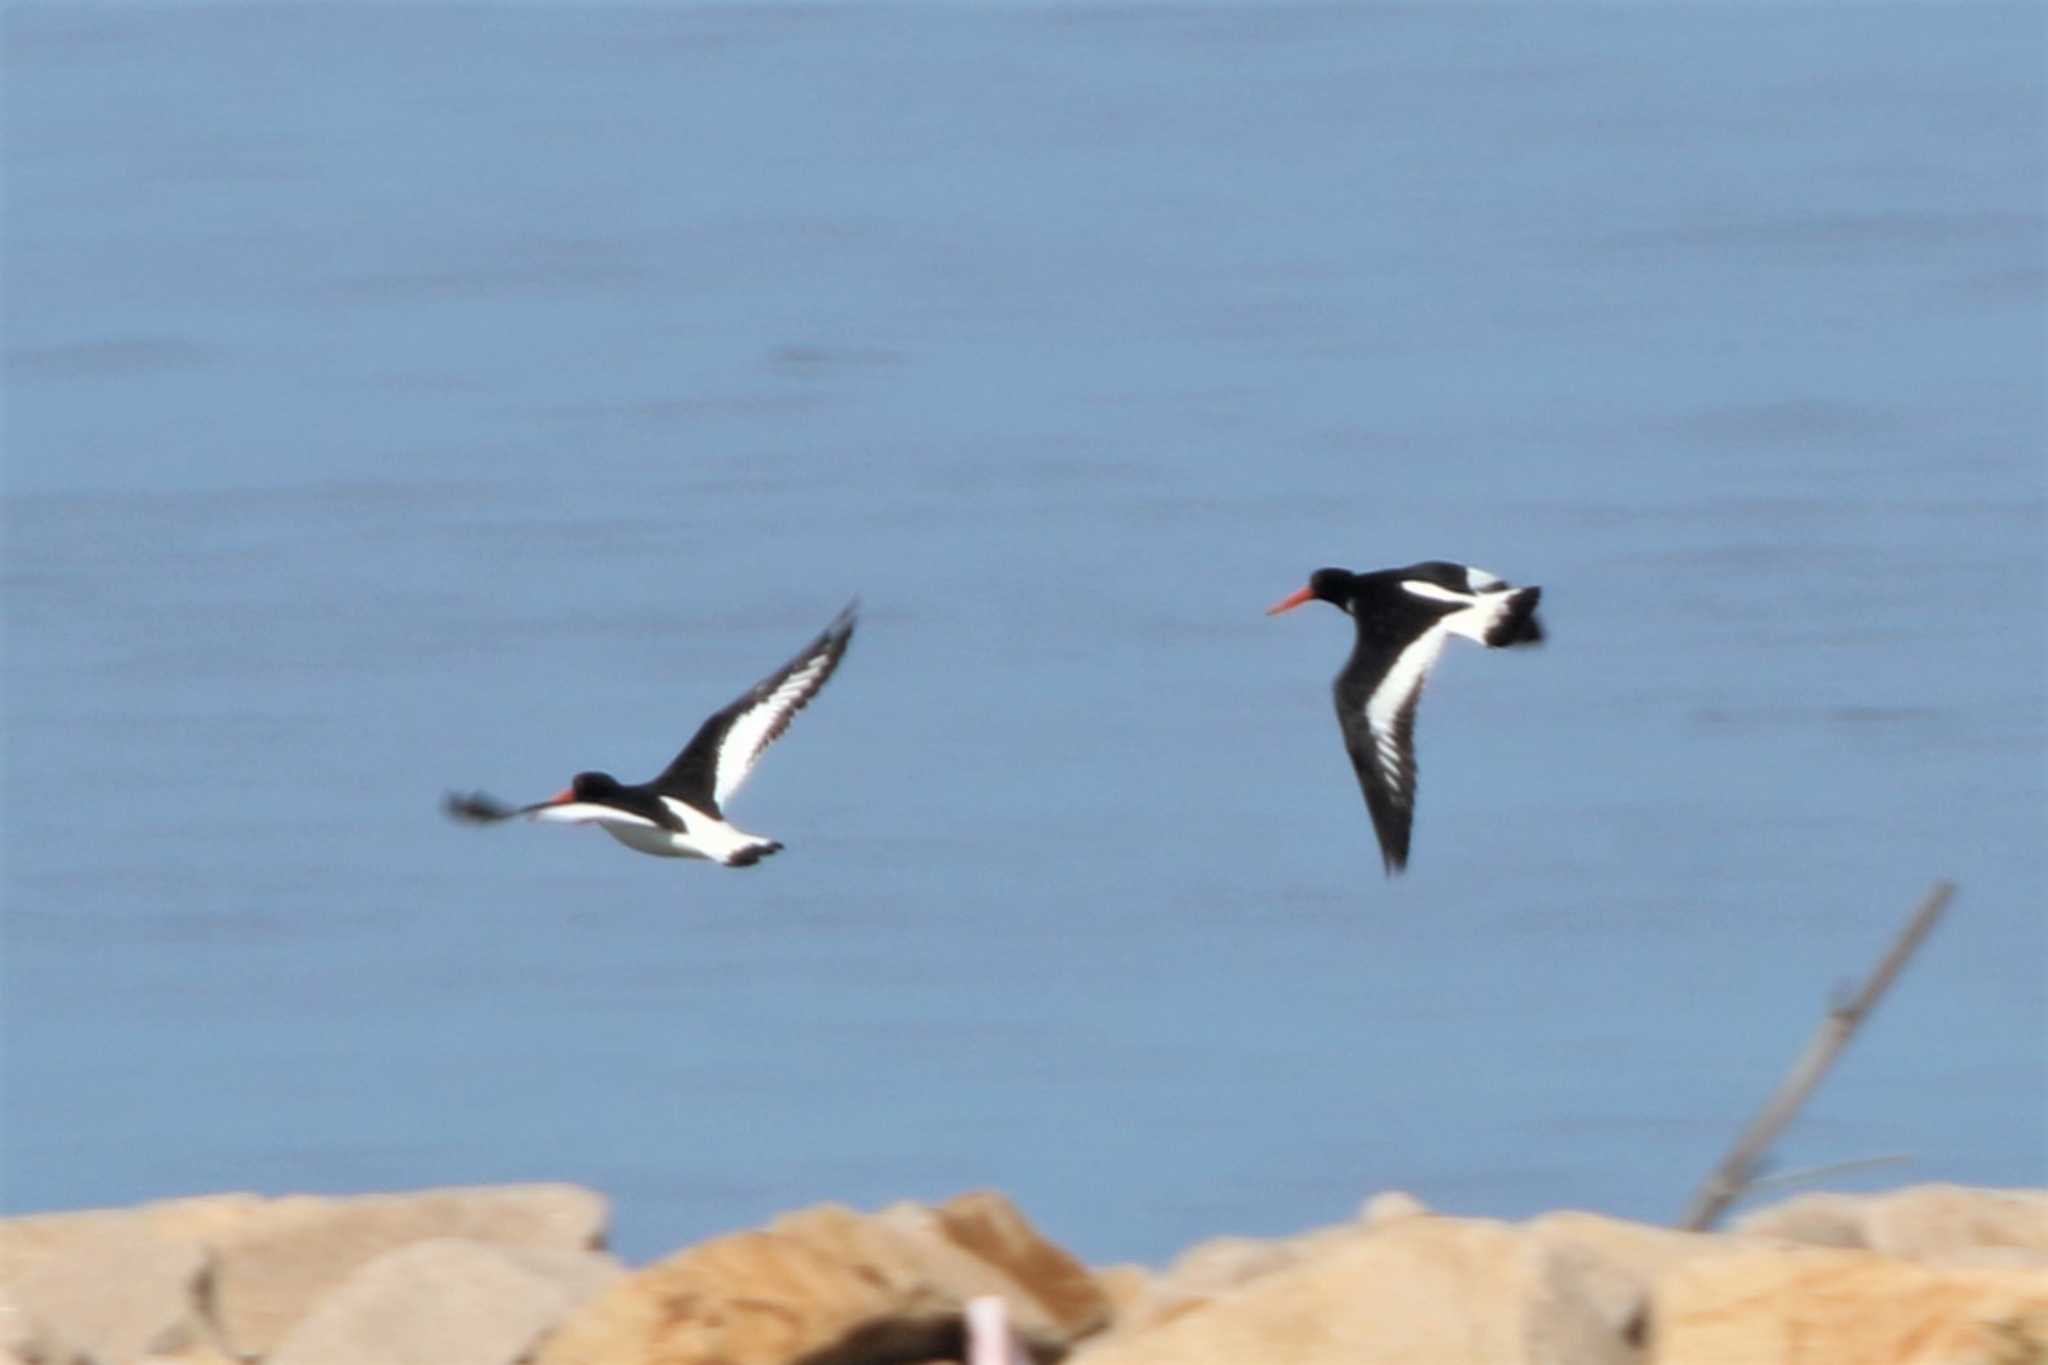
column 591, row 787
column 1332, row 585
column 1327, row 585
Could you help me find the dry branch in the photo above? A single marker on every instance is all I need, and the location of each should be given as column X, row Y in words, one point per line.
column 1737, row 1171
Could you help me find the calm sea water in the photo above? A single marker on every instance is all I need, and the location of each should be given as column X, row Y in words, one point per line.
column 405, row 398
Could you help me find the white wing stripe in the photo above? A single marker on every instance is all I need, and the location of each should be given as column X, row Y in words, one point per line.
column 1394, row 692
column 1423, row 588
column 749, row 733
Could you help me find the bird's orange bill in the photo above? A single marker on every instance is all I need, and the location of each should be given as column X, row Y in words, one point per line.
column 1289, row 603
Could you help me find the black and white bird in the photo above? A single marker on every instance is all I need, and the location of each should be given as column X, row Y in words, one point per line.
column 681, row 814
column 1403, row 618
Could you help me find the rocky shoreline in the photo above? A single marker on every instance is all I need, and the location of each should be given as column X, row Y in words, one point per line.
column 518, row 1275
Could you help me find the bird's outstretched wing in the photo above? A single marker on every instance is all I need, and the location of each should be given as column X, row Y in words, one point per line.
column 723, row 752
column 1376, row 711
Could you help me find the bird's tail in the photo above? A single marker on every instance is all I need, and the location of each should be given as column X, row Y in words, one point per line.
column 749, row 854
column 1514, row 619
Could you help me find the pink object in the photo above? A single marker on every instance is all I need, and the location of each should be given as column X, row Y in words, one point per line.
column 988, row 1334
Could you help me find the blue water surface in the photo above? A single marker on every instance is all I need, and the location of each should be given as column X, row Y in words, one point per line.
column 405, row 398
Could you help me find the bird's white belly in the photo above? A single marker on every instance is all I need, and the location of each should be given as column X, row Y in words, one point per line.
column 663, row 843
column 703, row 836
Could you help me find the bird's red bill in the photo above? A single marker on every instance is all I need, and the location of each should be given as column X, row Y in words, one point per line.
column 1290, row 602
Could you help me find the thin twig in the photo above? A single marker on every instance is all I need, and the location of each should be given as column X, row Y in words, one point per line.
column 1737, row 1171
column 1807, row 1175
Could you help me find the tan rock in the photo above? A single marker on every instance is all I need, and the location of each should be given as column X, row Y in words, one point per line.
column 884, row 1250
column 447, row 1301
column 1921, row 1222
column 992, row 1228
column 194, row 1355
column 1421, row 1291
column 114, row 1297
column 274, row 1258
column 1822, row 1220
column 1390, row 1206
column 1616, row 1262
column 1140, row 1299
column 1643, row 1249
column 1928, row 1221
column 22, row 1342
column 1220, row 1264
column 828, row 1283
column 907, row 1248
column 28, row 1240
column 754, row 1298
column 1802, row 1305
column 293, row 1251
column 1126, row 1287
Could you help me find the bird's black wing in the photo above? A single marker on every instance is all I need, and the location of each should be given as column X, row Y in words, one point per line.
column 723, row 752
column 1377, row 695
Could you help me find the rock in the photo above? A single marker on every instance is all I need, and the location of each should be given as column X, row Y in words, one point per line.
column 969, row 1247
column 829, row 1283
column 291, row 1252
column 22, row 1342
column 1642, row 1250
column 194, row 1355
column 1140, row 1299
column 1041, row 1312
column 1421, row 1291
column 27, row 1241
column 1803, row 1305
column 991, row 1227
column 906, row 1253
column 274, row 1258
column 68, row 1304
column 1220, row 1264
column 1390, row 1206
column 1922, row 1222
column 447, row 1301
column 754, row 1298
column 1934, row 1221
column 1822, row 1220
column 1617, row 1261
column 1126, row 1287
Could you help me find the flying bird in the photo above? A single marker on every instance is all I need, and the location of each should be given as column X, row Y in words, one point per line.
column 1403, row 618
column 680, row 814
